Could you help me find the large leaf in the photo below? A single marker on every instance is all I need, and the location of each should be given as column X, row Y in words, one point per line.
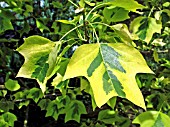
column 36, row 51
column 145, row 27
column 110, row 69
column 152, row 119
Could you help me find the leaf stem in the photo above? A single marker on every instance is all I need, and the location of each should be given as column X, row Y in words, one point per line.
column 104, row 24
column 86, row 37
column 26, row 117
column 73, row 3
column 151, row 11
column 70, row 31
column 94, row 32
column 98, row 6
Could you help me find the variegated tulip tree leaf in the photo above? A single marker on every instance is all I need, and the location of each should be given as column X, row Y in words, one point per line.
column 39, row 59
column 145, row 27
column 110, row 69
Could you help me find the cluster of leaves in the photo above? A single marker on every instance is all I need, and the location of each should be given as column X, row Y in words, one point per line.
column 100, row 83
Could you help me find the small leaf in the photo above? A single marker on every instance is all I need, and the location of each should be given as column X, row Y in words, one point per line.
column 78, row 10
column 21, row 98
column 44, row 104
column 130, row 5
column 155, row 56
column 89, row 3
column 74, row 111
column 52, row 110
column 66, row 22
column 5, row 24
column 107, row 116
column 9, row 118
column 6, row 105
column 12, row 85
column 125, row 36
column 145, row 27
column 41, row 26
column 35, row 94
column 57, row 4
column 112, row 102
column 152, row 119
column 3, row 93
column 116, row 14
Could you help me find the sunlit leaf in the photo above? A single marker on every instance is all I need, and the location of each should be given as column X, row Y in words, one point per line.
column 41, row 26
column 122, row 31
column 110, row 69
column 3, row 123
column 152, row 119
column 12, row 85
column 9, row 118
column 35, row 51
column 60, row 72
column 145, row 27
column 89, row 3
column 112, row 102
column 130, row 5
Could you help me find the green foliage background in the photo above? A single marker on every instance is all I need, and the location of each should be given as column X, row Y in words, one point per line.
column 54, row 54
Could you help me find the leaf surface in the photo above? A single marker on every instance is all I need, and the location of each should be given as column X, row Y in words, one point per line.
column 110, row 69
column 130, row 5
column 145, row 27
column 74, row 111
column 115, row 14
column 152, row 119
column 12, row 85
column 35, row 94
column 36, row 51
column 9, row 118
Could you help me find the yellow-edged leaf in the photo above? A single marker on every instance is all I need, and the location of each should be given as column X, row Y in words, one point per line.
column 110, row 69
